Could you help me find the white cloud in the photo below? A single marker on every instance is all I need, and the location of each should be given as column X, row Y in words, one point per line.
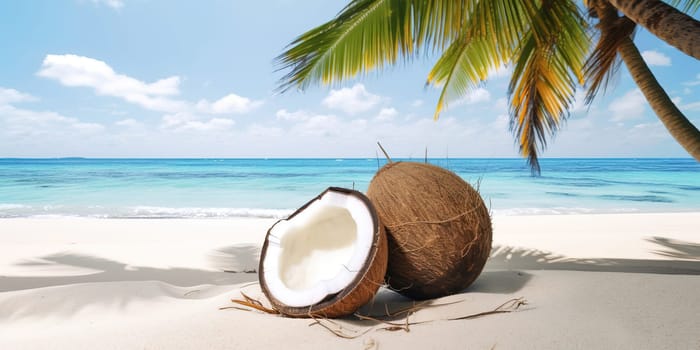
column 319, row 125
column 579, row 104
column 360, row 124
column 185, row 121
column 475, row 96
column 88, row 127
column 693, row 82
column 158, row 103
column 283, row 114
column 417, row 103
column 652, row 125
column 629, row 106
column 214, row 124
column 502, row 122
column 81, row 71
column 500, row 72
column 28, row 123
column 19, row 120
column 656, row 58
column 74, row 71
column 129, row 123
column 501, row 104
column 228, row 104
column 648, row 131
column 10, row 96
column 387, row 114
column 115, row 4
column 351, row 100
column 693, row 106
column 305, row 123
column 257, row 130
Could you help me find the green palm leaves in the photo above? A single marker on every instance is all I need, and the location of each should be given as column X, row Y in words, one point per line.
column 548, row 66
column 545, row 41
column 366, row 35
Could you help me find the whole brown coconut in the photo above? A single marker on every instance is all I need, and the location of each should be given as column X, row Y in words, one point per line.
column 438, row 229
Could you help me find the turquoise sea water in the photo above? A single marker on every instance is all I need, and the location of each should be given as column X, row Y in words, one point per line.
column 167, row 188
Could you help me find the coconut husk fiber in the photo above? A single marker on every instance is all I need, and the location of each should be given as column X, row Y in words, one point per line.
column 438, row 229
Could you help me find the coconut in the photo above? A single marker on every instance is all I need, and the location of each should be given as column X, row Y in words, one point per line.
column 438, row 229
column 327, row 259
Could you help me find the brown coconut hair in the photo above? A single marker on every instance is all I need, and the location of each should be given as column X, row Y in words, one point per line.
column 438, row 229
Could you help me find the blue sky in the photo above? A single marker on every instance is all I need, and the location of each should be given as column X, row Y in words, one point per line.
column 157, row 78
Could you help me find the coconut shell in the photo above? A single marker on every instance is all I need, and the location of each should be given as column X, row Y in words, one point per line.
column 438, row 229
column 360, row 291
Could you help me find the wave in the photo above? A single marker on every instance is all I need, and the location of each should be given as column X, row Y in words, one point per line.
column 11, row 206
column 633, row 198
column 152, row 212
column 561, row 211
column 193, row 212
column 138, row 212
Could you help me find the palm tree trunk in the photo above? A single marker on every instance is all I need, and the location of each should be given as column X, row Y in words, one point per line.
column 665, row 22
column 685, row 133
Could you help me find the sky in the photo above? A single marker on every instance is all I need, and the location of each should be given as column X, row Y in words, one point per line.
column 160, row 78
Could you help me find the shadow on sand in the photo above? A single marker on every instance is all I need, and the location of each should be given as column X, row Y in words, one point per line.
column 686, row 260
column 506, row 270
column 236, row 258
column 677, row 249
column 117, row 284
column 504, row 273
column 233, row 265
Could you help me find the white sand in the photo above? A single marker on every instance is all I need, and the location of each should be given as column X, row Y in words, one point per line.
column 626, row 281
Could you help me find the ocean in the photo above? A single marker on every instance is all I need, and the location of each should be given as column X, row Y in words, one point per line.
column 273, row 188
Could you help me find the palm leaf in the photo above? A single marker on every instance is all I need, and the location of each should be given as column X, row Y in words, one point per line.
column 491, row 32
column 367, row 35
column 545, row 40
column 687, row 6
column 502, row 22
column 548, row 44
column 438, row 22
column 604, row 62
column 461, row 67
column 547, row 69
column 360, row 37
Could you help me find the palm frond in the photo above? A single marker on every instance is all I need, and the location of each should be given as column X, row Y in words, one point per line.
column 547, row 42
column 462, row 66
column 604, row 62
column 502, row 22
column 437, row 23
column 360, row 38
column 491, row 33
column 367, row 35
column 548, row 66
column 687, row 6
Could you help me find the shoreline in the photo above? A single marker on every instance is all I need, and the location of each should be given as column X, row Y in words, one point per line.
column 515, row 212
column 81, row 283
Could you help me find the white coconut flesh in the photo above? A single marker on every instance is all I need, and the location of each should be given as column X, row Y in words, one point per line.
column 319, row 251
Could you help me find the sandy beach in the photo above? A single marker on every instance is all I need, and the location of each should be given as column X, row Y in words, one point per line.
column 622, row 281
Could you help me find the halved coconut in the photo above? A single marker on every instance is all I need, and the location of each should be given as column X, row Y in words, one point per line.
column 327, row 259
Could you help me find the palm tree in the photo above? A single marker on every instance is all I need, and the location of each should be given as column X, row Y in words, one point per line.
column 545, row 41
column 615, row 39
column 665, row 21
